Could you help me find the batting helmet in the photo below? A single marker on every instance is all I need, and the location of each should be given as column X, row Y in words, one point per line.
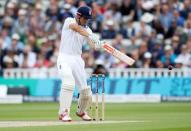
column 85, row 11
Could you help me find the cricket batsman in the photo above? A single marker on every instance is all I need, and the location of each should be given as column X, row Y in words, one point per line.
column 71, row 66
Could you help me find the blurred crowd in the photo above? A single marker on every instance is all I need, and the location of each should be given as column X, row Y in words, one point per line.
column 155, row 33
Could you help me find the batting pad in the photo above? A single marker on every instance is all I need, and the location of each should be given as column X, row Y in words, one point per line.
column 85, row 100
column 66, row 94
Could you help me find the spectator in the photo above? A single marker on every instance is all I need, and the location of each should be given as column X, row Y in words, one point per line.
column 169, row 56
column 159, row 64
column 32, row 42
column 114, row 14
column 127, row 29
column 147, row 63
column 127, row 9
column 109, row 32
column 7, row 24
column 5, row 38
column 66, row 12
column 10, row 59
column 142, row 50
column 118, row 42
column 148, row 5
column 15, row 45
column 52, row 26
column 171, row 30
column 138, row 10
column 179, row 63
column 11, row 10
column 184, row 57
column 189, row 16
column 37, row 19
column 166, row 17
column 186, row 9
column 187, row 27
column 41, row 62
column 142, row 29
column 188, row 44
column 135, row 56
column 176, row 44
column 53, row 11
column 157, row 25
column 97, row 18
column 177, row 5
column 54, row 54
column 21, row 25
column 157, row 48
column 178, row 19
column 27, row 58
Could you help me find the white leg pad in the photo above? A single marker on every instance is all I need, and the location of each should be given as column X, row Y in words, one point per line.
column 66, row 95
column 85, row 100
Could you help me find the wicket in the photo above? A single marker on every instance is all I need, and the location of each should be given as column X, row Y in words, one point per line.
column 95, row 81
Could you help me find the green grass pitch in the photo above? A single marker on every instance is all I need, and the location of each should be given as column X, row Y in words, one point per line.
column 156, row 117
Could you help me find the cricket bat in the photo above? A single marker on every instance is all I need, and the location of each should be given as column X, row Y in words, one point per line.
column 118, row 54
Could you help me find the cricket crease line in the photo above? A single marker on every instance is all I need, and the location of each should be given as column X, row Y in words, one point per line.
column 8, row 124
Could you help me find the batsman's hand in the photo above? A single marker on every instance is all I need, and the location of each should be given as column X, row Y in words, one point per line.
column 95, row 41
column 98, row 44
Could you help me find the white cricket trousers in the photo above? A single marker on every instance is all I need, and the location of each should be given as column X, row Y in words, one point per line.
column 74, row 67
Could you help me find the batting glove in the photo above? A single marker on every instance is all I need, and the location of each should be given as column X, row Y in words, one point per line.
column 98, row 45
column 93, row 38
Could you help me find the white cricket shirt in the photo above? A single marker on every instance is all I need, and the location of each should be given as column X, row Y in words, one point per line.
column 71, row 41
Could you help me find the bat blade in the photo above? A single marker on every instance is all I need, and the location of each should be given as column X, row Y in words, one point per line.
column 118, row 54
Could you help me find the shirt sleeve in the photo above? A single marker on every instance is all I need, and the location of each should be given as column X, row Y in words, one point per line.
column 90, row 32
column 68, row 21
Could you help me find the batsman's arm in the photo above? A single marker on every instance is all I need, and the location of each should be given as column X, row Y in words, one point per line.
column 79, row 29
column 93, row 41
